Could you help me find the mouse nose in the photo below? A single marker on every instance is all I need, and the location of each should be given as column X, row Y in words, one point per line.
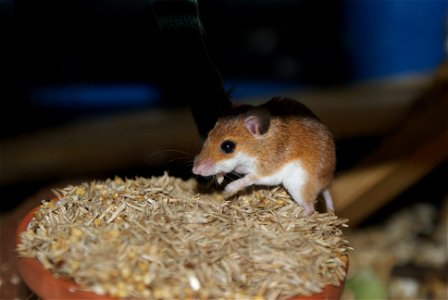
column 203, row 167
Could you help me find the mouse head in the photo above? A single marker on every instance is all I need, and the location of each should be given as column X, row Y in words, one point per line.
column 234, row 143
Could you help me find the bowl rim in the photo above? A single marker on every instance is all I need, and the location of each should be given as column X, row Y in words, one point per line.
column 47, row 286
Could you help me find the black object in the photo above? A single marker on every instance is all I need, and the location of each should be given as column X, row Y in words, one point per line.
column 183, row 37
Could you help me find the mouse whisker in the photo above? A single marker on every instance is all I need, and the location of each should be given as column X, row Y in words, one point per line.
column 185, row 154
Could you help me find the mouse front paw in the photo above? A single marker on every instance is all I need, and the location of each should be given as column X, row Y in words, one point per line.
column 239, row 184
column 231, row 189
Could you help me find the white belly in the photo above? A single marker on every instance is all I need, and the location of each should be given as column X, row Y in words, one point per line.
column 292, row 174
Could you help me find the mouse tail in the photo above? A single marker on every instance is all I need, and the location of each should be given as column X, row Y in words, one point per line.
column 328, row 200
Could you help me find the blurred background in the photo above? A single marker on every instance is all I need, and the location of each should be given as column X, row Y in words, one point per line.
column 94, row 89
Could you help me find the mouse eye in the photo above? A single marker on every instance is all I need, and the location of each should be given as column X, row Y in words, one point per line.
column 228, row 147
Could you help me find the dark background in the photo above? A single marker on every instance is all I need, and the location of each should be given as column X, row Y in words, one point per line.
column 101, row 44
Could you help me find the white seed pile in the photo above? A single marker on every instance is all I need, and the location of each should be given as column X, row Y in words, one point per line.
column 159, row 238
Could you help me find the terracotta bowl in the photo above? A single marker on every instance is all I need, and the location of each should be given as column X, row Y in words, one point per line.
column 46, row 286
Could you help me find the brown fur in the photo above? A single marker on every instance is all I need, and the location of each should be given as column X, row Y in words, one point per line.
column 294, row 133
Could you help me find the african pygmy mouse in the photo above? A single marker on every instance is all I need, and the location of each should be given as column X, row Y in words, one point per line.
column 279, row 142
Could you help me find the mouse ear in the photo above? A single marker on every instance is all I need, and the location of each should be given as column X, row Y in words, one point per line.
column 257, row 121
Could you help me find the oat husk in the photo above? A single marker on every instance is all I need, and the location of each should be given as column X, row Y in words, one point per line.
column 158, row 238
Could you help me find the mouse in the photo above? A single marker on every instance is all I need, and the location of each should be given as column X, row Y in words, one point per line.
column 280, row 142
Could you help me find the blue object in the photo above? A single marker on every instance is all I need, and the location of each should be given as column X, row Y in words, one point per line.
column 81, row 96
column 244, row 88
column 385, row 38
